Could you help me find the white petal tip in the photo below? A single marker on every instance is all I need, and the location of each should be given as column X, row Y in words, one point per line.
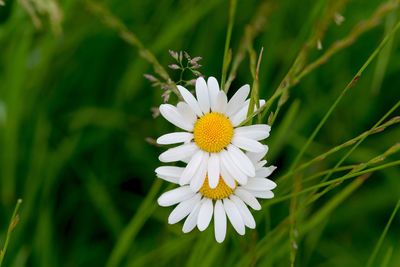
column 201, row 228
column 220, row 240
column 273, row 185
column 161, row 158
column 161, row 202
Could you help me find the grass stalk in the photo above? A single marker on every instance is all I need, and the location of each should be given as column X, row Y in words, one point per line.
column 254, row 69
column 387, row 257
column 118, row 26
column 348, row 40
column 379, row 243
column 13, row 222
column 296, row 72
column 322, row 156
column 226, row 60
column 333, row 181
column 342, row 94
column 252, row 30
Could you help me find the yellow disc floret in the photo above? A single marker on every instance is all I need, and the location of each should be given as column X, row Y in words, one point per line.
column 213, row 132
column 220, row 192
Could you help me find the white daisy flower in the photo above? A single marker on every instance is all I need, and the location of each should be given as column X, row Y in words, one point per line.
column 221, row 201
column 213, row 140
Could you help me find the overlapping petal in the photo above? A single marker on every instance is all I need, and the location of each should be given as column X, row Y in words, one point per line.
column 200, row 209
column 235, row 163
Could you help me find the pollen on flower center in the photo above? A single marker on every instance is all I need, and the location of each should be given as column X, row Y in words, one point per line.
column 212, row 132
column 220, row 192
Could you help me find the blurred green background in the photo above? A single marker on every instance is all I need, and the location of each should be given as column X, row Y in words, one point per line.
column 75, row 113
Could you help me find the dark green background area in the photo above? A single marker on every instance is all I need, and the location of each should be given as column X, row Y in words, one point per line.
column 78, row 113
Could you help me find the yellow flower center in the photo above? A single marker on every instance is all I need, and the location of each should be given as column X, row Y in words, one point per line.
column 212, row 132
column 220, row 192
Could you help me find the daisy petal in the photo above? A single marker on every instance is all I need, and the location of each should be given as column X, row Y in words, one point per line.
column 248, row 198
column 175, row 196
column 219, row 221
column 262, row 194
column 213, row 89
column 271, row 184
column 205, row 214
column 190, row 100
column 259, row 164
column 171, row 114
column 168, row 178
column 234, row 171
column 202, row 95
column 247, row 217
column 172, row 171
column 241, row 160
column 234, row 216
column 187, row 113
column 237, row 100
column 256, row 132
column 198, row 179
column 255, row 157
column 183, row 209
column 191, row 220
column 192, row 167
column 265, row 171
column 220, row 105
column 186, row 160
column 173, row 138
column 227, row 177
column 247, row 144
column 259, row 184
column 213, row 170
column 241, row 115
column 178, row 153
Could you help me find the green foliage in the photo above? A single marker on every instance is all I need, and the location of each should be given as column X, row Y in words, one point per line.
column 77, row 132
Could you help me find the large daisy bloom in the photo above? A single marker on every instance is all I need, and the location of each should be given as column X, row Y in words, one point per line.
column 212, row 141
column 221, row 201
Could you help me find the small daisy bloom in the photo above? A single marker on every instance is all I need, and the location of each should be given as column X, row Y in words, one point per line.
column 213, row 142
column 221, row 201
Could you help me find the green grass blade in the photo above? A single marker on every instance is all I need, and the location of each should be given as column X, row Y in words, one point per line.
column 387, row 257
column 379, row 243
column 342, row 94
column 225, row 63
column 131, row 230
column 332, row 204
column 384, row 57
column 333, row 181
column 13, row 222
